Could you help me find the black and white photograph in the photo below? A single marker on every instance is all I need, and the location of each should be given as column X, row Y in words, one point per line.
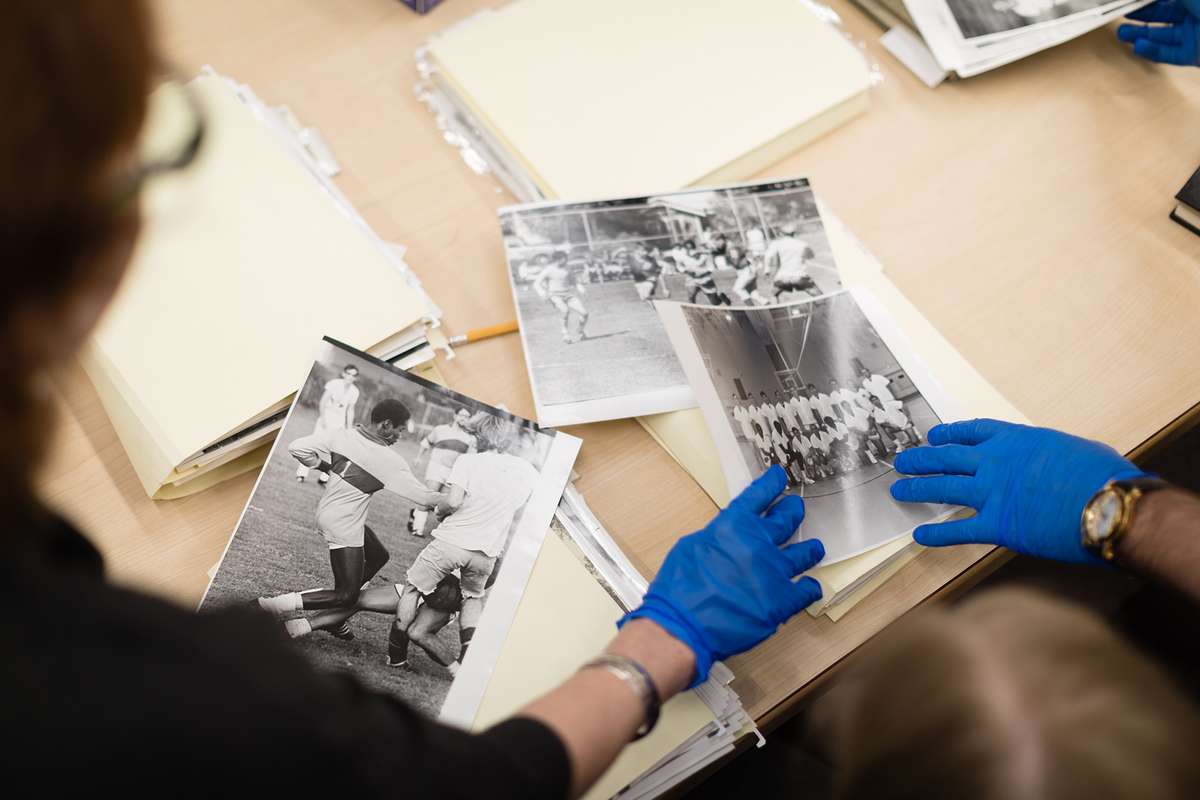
column 983, row 18
column 813, row 387
column 585, row 277
column 393, row 527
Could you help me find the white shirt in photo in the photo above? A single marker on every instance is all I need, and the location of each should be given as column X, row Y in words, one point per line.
column 878, row 386
column 743, row 417
column 787, row 414
column 803, row 409
column 780, row 444
column 892, row 414
column 791, row 255
column 824, row 406
column 858, row 419
column 497, row 486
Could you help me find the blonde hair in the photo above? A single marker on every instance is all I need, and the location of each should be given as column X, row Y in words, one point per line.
column 1010, row 695
column 493, row 432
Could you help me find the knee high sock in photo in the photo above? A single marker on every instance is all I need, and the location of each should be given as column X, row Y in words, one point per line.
column 397, row 645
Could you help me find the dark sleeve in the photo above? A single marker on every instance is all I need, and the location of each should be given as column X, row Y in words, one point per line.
column 391, row 750
column 116, row 692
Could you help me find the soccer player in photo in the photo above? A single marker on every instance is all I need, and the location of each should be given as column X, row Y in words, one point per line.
column 646, row 272
column 766, row 451
column 487, row 490
column 435, row 612
column 698, row 267
column 742, row 416
column 839, row 395
column 876, row 385
column 819, row 452
column 360, row 462
column 802, row 407
column 787, row 258
column 767, row 410
column 893, row 421
column 781, row 449
column 558, row 284
column 746, row 282
column 335, row 411
column 799, row 447
column 822, row 404
column 858, row 420
column 444, row 443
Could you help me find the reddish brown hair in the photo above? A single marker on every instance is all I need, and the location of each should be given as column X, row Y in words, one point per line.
column 74, row 76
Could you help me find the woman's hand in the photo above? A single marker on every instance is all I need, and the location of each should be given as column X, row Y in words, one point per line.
column 725, row 588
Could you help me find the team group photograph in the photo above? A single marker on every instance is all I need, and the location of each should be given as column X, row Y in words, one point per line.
column 813, row 388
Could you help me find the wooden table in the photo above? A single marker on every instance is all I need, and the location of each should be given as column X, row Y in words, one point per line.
column 1024, row 211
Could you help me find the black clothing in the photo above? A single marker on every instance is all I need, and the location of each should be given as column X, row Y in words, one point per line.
column 107, row 689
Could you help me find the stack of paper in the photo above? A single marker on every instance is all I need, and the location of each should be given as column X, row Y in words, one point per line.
column 575, row 99
column 581, row 584
column 969, row 37
column 246, row 258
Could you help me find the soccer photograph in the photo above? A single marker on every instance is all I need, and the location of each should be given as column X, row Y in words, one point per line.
column 585, row 277
column 812, row 387
column 387, row 511
column 998, row 17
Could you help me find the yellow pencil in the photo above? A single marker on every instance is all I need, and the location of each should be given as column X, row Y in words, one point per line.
column 476, row 334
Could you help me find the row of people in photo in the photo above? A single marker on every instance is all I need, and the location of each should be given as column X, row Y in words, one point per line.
column 806, row 406
column 832, row 447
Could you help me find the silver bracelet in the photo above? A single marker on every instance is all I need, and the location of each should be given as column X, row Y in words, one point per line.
column 634, row 676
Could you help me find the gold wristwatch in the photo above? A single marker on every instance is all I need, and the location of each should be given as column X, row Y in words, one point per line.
column 1108, row 516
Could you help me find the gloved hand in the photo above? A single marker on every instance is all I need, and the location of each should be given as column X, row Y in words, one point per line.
column 1027, row 485
column 726, row 588
column 1175, row 39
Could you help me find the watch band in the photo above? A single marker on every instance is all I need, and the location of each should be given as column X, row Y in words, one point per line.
column 635, row 676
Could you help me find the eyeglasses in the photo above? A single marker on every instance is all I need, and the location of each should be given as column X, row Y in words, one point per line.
column 171, row 139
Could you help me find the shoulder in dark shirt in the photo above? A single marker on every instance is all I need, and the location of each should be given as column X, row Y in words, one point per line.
column 111, row 689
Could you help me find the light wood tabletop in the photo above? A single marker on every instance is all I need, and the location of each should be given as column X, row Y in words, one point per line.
column 1023, row 211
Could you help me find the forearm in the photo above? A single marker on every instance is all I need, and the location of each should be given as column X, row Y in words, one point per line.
column 1164, row 541
column 595, row 714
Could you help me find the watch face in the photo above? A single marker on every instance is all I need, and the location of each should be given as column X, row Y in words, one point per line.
column 1103, row 516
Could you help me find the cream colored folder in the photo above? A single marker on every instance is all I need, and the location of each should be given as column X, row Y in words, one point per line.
column 685, row 436
column 565, row 619
column 244, row 263
column 618, row 98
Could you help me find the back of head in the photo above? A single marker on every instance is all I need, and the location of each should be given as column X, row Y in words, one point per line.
column 393, row 411
column 493, row 433
column 1010, row 695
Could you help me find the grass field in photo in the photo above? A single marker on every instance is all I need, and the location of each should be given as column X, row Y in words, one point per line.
column 278, row 549
column 626, row 350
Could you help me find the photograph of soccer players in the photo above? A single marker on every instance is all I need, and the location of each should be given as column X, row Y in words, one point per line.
column 812, row 387
column 585, row 277
column 999, row 17
column 424, row 492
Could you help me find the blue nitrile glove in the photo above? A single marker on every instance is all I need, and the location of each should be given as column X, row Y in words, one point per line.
column 1175, row 36
column 1027, row 485
column 726, row 588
